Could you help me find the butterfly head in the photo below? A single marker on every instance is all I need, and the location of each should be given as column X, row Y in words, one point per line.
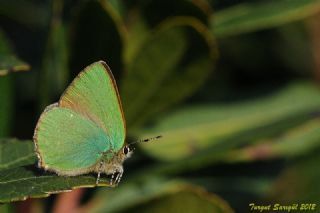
column 124, row 153
column 114, row 166
column 127, row 151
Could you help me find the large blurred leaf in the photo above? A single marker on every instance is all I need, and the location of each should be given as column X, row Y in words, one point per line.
column 185, row 201
column 96, row 35
column 20, row 178
column 54, row 73
column 154, row 194
column 6, row 104
column 156, row 12
column 117, row 6
column 248, row 17
column 297, row 141
column 293, row 48
column 166, row 70
column 149, row 69
column 8, row 61
column 25, row 12
column 27, row 181
column 138, row 33
column 143, row 20
column 14, row 153
column 300, row 182
column 197, row 128
column 7, row 208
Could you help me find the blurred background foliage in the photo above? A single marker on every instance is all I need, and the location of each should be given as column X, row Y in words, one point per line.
column 233, row 86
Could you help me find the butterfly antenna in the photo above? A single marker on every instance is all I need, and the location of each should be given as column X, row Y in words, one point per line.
column 146, row 140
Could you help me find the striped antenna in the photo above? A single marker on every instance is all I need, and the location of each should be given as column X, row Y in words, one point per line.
column 146, row 140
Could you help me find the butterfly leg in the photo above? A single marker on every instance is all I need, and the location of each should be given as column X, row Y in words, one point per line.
column 99, row 172
column 98, row 178
column 112, row 178
column 118, row 178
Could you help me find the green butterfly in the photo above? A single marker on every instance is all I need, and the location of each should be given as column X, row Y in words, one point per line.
column 85, row 131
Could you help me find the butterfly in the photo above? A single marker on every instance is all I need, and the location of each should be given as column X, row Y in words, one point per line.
column 85, row 130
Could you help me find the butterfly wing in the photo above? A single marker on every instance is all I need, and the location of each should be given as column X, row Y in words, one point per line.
column 94, row 94
column 68, row 143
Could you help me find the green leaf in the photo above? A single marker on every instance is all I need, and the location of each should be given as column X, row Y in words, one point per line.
column 154, row 193
column 299, row 182
column 117, row 6
column 142, row 74
column 21, row 179
column 6, row 105
column 138, row 33
column 295, row 44
column 96, row 35
column 29, row 182
column 14, row 153
column 299, row 140
column 187, row 201
column 249, row 17
column 145, row 19
column 156, row 12
column 54, row 73
column 7, row 208
column 25, row 12
column 8, row 61
column 194, row 129
column 165, row 71
column 295, row 142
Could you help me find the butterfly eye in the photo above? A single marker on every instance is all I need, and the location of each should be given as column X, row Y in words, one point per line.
column 126, row 150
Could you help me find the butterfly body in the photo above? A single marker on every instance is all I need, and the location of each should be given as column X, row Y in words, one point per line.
column 85, row 131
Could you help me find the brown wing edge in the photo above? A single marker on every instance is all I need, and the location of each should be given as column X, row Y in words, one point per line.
column 116, row 90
